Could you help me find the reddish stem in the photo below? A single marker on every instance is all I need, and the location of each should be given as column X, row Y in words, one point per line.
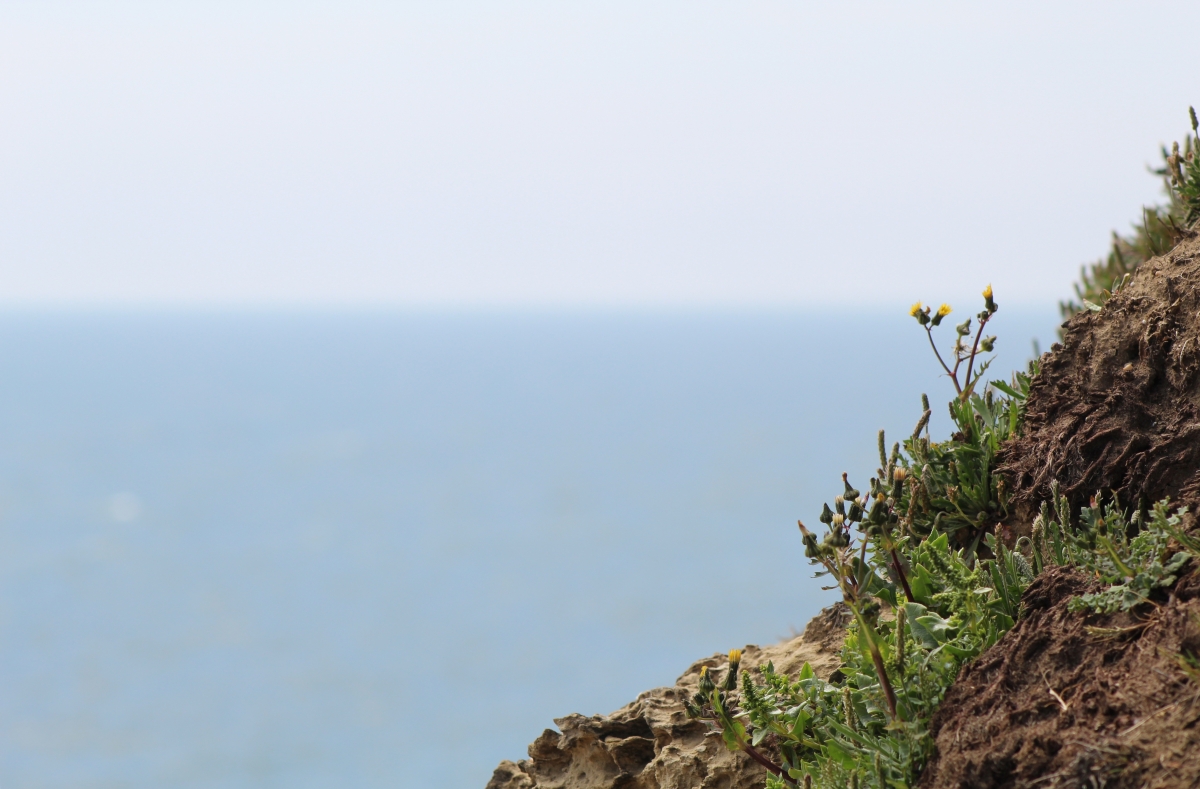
column 933, row 345
column 900, row 574
column 971, row 363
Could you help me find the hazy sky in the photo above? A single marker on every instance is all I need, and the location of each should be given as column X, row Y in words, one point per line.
column 576, row 152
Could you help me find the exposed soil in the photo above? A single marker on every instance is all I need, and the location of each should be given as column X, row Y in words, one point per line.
column 1117, row 405
column 1054, row 705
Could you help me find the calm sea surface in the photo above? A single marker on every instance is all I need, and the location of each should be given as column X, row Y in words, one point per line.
column 385, row 550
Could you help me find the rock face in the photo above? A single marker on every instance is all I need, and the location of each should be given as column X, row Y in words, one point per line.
column 651, row 743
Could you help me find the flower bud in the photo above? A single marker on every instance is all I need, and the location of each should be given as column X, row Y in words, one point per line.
column 987, row 344
column 826, row 514
column 942, row 312
column 851, row 491
column 735, row 659
column 706, row 684
column 848, row 709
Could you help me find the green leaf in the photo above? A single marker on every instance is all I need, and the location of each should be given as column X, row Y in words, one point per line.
column 920, row 632
column 837, row 753
column 734, row 733
column 800, row 723
column 921, row 583
column 1008, row 390
column 929, row 630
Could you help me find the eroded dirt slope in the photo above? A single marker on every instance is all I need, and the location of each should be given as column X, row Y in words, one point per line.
column 1117, row 406
column 1058, row 703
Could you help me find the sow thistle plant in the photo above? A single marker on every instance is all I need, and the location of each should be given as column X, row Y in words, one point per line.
column 906, row 557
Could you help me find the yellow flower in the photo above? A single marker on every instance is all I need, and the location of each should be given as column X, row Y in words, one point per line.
column 944, row 310
column 987, row 292
column 915, row 309
column 735, row 656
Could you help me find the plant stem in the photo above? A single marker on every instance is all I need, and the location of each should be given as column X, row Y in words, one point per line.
column 754, row 754
column 900, row 574
column 868, row 633
column 766, row 763
column 971, row 363
column 933, row 345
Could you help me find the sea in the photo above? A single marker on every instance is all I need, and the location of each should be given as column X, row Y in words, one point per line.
column 289, row 548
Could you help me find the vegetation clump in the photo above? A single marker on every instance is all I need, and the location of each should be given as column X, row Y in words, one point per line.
column 1135, row 554
column 1160, row 229
column 920, row 545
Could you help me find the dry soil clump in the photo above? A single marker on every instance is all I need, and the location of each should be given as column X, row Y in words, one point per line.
column 1117, row 405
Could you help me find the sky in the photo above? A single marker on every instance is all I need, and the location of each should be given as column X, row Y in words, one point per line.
column 576, row 154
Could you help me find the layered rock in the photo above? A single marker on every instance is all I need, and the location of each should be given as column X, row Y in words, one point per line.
column 651, row 743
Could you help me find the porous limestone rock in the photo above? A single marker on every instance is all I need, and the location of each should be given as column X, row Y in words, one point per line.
column 651, row 743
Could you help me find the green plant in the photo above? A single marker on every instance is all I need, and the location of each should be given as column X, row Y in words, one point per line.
column 962, row 351
column 1160, row 228
column 911, row 546
column 954, row 488
column 1134, row 554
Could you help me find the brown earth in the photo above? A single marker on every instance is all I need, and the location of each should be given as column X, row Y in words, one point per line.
column 1117, row 405
column 651, row 743
column 1056, row 705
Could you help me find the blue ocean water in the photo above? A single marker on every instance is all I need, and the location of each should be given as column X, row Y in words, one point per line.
column 385, row 549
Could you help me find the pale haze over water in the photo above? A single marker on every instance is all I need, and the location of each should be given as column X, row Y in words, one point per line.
column 385, row 550
column 381, row 380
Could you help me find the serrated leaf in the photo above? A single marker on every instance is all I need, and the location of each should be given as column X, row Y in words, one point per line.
column 1008, row 390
